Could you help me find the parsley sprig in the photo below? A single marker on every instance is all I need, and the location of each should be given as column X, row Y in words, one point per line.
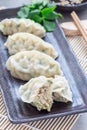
column 42, row 12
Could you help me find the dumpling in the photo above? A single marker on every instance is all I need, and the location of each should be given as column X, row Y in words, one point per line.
column 41, row 91
column 26, row 41
column 28, row 64
column 61, row 90
column 13, row 25
column 38, row 93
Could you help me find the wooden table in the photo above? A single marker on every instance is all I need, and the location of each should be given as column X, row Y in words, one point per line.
column 81, row 123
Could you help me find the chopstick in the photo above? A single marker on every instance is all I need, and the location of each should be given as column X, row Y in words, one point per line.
column 79, row 25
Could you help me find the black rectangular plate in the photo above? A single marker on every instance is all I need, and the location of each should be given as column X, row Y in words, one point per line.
column 19, row 112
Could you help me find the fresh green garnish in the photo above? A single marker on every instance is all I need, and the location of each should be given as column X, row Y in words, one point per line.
column 42, row 12
column 50, row 81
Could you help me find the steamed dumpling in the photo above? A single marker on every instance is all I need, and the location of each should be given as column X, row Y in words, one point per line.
column 41, row 91
column 13, row 25
column 26, row 41
column 28, row 64
column 61, row 90
column 38, row 93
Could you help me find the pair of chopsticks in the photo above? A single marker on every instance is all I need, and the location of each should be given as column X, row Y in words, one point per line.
column 79, row 25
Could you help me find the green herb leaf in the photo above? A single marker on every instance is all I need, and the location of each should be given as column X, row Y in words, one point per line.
column 49, row 26
column 36, row 4
column 41, row 11
column 60, row 15
column 23, row 13
column 37, row 1
column 37, row 18
column 32, row 13
column 47, row 10
column 52, row 15
column 31, row 6
column 45, row 2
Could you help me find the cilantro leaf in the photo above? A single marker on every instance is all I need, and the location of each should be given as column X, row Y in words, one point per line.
column 49, row 25
column 37, row 18
column 47, row 10
column 51, row 15
column 32, row 13
column 23, row 12
column 35, row 15
column 45, row 3
column 41, row 11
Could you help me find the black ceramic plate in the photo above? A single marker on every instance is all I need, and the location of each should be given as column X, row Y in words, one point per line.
column 18, row 111
column 75, row 7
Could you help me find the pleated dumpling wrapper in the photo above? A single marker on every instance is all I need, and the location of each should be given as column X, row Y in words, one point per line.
column 38, row 93
column 26, row 42
column 13, row 25
column 28, row 64
column 61, row 89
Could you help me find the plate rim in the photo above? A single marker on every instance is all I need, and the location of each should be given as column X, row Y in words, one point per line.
column 68, row 8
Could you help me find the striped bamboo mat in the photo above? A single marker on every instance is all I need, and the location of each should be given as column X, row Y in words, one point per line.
column 80, row 49
column 61, row 123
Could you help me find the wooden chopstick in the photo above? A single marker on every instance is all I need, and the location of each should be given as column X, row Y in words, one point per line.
column 79, row 25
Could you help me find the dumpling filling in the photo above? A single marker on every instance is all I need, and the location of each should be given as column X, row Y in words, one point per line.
column 37, row 92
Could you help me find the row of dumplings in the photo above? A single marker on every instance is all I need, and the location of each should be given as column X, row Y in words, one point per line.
column 33, row 60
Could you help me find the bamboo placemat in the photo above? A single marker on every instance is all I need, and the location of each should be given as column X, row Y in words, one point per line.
column 61, row 123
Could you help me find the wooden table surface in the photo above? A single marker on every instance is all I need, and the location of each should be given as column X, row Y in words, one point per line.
column 81, row 123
